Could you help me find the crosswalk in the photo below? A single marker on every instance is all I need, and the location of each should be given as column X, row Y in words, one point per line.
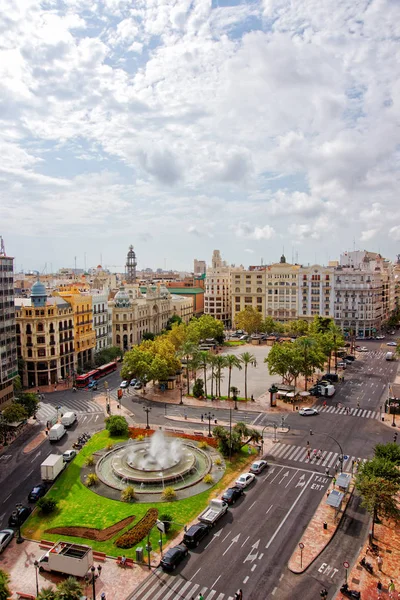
column 47, row 411
column 352, row 412
column 304, row 455
column 161, row 586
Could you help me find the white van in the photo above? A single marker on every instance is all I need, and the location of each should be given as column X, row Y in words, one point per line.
column 68, row 419
column 56, row 432
column 389, row 356
column 327, row 390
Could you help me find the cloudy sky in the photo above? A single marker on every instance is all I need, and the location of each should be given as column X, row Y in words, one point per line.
column 185, row 125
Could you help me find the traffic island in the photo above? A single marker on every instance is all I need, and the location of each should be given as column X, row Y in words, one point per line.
column 322, row 526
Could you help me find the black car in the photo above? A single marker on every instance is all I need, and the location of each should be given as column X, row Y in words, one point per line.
column 19, row 515
column 331, row 377
column 232, row 494
column 173, row 557
column 349, row 357
column 195, row 534
column 37, row 492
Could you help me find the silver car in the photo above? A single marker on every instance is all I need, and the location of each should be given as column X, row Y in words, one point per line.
column 6, row 535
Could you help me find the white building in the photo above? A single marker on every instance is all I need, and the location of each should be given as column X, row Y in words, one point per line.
column 100, row 319
column 217, row 296
column 316, row 294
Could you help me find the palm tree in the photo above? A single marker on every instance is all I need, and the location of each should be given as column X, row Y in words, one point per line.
column 187, row 351
column 219, row 363
column 47, row 593
column 232, row 361
column 211, row 362
column 4, row 589
column 69, row 589
column 204, row 361
column 247, row 359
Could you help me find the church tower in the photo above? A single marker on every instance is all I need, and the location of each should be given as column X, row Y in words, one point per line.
column 130, row 267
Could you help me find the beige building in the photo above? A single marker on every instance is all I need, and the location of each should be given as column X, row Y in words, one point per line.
column 217, row 296
column 134, row 313
column 316, row 294
column 45, row 337
column 182, row 306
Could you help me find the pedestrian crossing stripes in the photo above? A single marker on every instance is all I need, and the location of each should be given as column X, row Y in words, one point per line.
column 352, row 412
column 160, row 586
column 306, row 455
column 47, row 411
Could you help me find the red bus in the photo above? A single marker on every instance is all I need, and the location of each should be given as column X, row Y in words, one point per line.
column 83, row 380
column 106, row 369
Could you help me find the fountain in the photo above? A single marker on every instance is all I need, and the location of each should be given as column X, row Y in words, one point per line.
column 154, row 463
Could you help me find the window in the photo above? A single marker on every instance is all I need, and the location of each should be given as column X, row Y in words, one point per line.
column 248, row 299
column 259, row 300
column 237, row 307
column 41, row 352
column 248, row 290
column 40, row 326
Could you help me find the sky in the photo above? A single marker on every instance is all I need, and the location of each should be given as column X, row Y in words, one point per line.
column 180, row 126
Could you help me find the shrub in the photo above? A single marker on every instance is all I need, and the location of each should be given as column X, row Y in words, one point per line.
column 92, row 479
column 198, row 388
column 47, row 505
column 89, row 462
column 117, row 425
column 169, row 494
column 167, row 520
column 208, row 479
column 203, row 445
column 109, row 447
column 140, row 438
column 128, row 494
column 218, row 462
column 139, row 531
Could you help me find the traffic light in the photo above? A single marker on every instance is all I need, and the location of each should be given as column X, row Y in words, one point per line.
column 395, row 437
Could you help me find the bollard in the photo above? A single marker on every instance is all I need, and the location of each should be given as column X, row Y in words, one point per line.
column 325, row 525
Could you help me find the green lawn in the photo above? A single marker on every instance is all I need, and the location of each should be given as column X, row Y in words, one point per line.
column 79, row 506
column 235, row 343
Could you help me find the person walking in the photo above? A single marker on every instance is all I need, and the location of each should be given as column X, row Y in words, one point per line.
column 334, row 482
column 201, row 597
column 391, row 589
column 379, row 560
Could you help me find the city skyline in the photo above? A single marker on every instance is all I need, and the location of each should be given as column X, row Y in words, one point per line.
column 246, row 126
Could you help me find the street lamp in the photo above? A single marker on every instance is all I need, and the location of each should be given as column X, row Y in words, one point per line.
column 341, row 456
column 393, row 405
column 209, row 416
column 18, row 506
column 93, row 569
column 36, row 565
column 181, row 391
column 147, row 409
column 235, row 393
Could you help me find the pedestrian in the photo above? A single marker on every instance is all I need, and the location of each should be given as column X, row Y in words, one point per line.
column 379, row 589
column 240, row 595
column 327, row 472
column 202, row 418
column 334, row 482
column 103, row 596
column 201, row 597
column 252, row 398
column 358, row 405
column 379, row 560
column 325, row 403
column 391, row 589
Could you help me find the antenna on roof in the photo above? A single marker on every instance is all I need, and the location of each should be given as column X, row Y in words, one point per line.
column 2, row 247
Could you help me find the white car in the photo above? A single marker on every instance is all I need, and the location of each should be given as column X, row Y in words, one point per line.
column 69, row 455
column 380, row 337
column 124, row 384
column 245, row 479
column 6, row 535
column 363, row 349
column 258, row 466
column 391, row 343
column 306, row 411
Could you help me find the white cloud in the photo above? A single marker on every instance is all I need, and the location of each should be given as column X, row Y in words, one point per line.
column 368, row 234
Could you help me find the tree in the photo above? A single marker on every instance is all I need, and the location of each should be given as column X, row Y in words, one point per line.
column 47, row 505
column 219, row 365
column 137, row 363
column 231, row 361
column 269, row 325
column 69, row 589
column 177, row 335
column 390, row 451
column 247, row 359
column 380, row 468
column 249, row 320
column 311, row 356
column 232, row 442
column 175, row 319
column 17, row 383
column 148, row 335
column 205, row 327
column 14, row 413
column 107, row 355
column 159, row 369
column 117, row 425
column 298, row 327
column 198, row 388
column 284, row 360
column 29, row 401
column 204, row 361
column 187, row 351
column 379, row 497
column 47, row 593
column 5, row 591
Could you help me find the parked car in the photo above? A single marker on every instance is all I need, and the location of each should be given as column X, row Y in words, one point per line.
column 232, row 494
column 6, row 535
column 380, row 337
column 173, row 557
column 342, row 364
column 258, row 466
column 124, row 384
column 37, row 492
column 330, row 377
column 69, row 455
column 244, row 338
column 391, row 343
column 245, row 480
column 350, row 357
column 133, row 382
column 19, row 515
column 363, row 349
column 193, row 536
column 138, row 385
column 306, row 411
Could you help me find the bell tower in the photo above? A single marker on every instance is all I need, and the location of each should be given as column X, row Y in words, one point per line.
column 130, row 266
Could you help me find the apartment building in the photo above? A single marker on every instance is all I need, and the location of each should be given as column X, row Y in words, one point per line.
column 315, row 292
column 199, row 267
column 217, row 295
column 100, row 319
column 85, row 335
column 8, row 342
column 45, row 337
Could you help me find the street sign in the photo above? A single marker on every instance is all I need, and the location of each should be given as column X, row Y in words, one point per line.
column 346, row 564
column 345, row 457
column 160, row 526
column 301, row 545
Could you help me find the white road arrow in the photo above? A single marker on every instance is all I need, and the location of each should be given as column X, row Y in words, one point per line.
column 284, row 475
column 301, row 481
column 234, row 540
column 252, row 555
column 213, row 537
column 36, row 455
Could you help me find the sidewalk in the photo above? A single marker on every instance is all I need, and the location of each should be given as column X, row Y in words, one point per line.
column 387, row 538
column 316, row 537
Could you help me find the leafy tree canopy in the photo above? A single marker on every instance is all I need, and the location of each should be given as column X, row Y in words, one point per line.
column 249, row 320
column 107, row 355
column 29, row 401
column 14, row 413
column 205, row 327
column 117, row 425
column 389, row 451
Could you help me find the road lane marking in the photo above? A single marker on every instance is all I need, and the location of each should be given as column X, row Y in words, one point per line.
column 281, row 577
column 254, row 567
column 250, row 507
column 213, row 537
column 280, row 470
column 9, row 496
column 260, row 556
column 196, row 573
column 289, row 511
column 267, row 511
column 215, row 582
column 286, row 474
column 294, row 474
column 273, row 591
column 245, row 541
column 2, row 517
column 227, row 535
column 234, row 540
column 245, row 580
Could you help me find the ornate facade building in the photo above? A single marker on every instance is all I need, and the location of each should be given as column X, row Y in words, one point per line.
column 217, row 296
column 45, row 337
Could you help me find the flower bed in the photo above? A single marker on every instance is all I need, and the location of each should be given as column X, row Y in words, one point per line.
column 134, row 432
column 138, row 531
